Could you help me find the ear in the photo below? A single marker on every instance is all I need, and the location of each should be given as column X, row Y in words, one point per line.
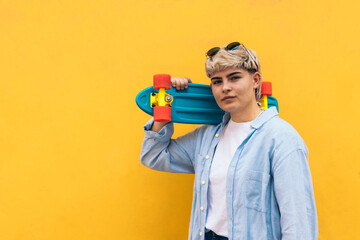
column 257, row 79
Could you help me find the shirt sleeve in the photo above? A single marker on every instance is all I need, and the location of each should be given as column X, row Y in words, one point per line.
column 160, row 152
column 295, row 195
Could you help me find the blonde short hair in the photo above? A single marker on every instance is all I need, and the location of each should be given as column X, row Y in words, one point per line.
column 241, row 58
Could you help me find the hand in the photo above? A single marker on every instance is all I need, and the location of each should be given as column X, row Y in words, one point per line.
column 180, row 83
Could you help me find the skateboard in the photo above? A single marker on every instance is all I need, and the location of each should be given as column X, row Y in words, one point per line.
column 193, row 105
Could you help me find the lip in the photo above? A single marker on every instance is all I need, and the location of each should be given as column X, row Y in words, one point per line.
column 227, row 98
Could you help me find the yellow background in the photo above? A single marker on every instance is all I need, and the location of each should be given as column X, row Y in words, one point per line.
column 70, row 131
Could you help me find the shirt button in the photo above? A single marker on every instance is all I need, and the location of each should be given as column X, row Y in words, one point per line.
column 201, row 233
column 203, row 182
column 217, row 135
column 202, row 208
column 207, row 157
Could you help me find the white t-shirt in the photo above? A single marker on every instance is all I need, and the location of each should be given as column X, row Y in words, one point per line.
column 232, row 136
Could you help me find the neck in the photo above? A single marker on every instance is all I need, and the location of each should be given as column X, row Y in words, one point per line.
column 247, row 114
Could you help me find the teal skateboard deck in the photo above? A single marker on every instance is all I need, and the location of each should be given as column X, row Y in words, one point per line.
column 193, row 105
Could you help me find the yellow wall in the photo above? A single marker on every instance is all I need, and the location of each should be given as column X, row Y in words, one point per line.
column 70, row 131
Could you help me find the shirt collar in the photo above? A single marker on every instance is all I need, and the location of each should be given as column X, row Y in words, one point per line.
column 259, row 121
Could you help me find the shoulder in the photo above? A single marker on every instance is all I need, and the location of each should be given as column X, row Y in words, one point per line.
column 278, row 125
column 283, row 135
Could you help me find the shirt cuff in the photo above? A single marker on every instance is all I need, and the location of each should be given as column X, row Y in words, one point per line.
column 163, row 135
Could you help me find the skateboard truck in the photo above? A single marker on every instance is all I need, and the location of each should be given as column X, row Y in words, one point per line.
column 266, row 90
column 161, row 101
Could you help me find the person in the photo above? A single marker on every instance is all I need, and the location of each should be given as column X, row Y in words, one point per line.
column 252, row 177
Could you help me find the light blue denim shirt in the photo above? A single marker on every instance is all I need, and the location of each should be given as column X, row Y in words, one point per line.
column 269, row 190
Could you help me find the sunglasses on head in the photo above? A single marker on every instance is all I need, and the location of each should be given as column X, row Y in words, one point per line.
column 230, row 47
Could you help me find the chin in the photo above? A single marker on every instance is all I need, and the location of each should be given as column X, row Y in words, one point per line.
column 227, row 109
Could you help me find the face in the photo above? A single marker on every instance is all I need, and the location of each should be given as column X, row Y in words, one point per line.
column 234, row 89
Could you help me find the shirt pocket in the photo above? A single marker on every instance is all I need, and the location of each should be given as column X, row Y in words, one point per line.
column 256, row 190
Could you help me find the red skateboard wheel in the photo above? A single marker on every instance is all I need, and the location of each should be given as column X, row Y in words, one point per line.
column 162, row 81
column 162, row 114
column 266, row 88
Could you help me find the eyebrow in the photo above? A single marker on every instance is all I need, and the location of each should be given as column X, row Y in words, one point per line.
column 231, row 74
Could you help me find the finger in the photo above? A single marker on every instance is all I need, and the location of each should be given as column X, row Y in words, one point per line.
column 173, row 82
column 178, row 83
column 183, row 83
column 187, row 81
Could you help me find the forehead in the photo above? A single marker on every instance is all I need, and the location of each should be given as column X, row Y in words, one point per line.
column 228, row 71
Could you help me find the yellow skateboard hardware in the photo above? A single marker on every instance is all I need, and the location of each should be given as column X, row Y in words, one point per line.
column 263, row 101
column 160, row 99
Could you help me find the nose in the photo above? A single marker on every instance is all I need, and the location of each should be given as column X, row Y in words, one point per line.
column 226, row 86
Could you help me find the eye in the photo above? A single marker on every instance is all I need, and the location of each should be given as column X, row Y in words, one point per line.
column 234, row 77
column 216, row 82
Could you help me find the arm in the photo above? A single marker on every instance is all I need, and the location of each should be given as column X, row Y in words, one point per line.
column 162, row 153
column 295, row 195
column 178, row 83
